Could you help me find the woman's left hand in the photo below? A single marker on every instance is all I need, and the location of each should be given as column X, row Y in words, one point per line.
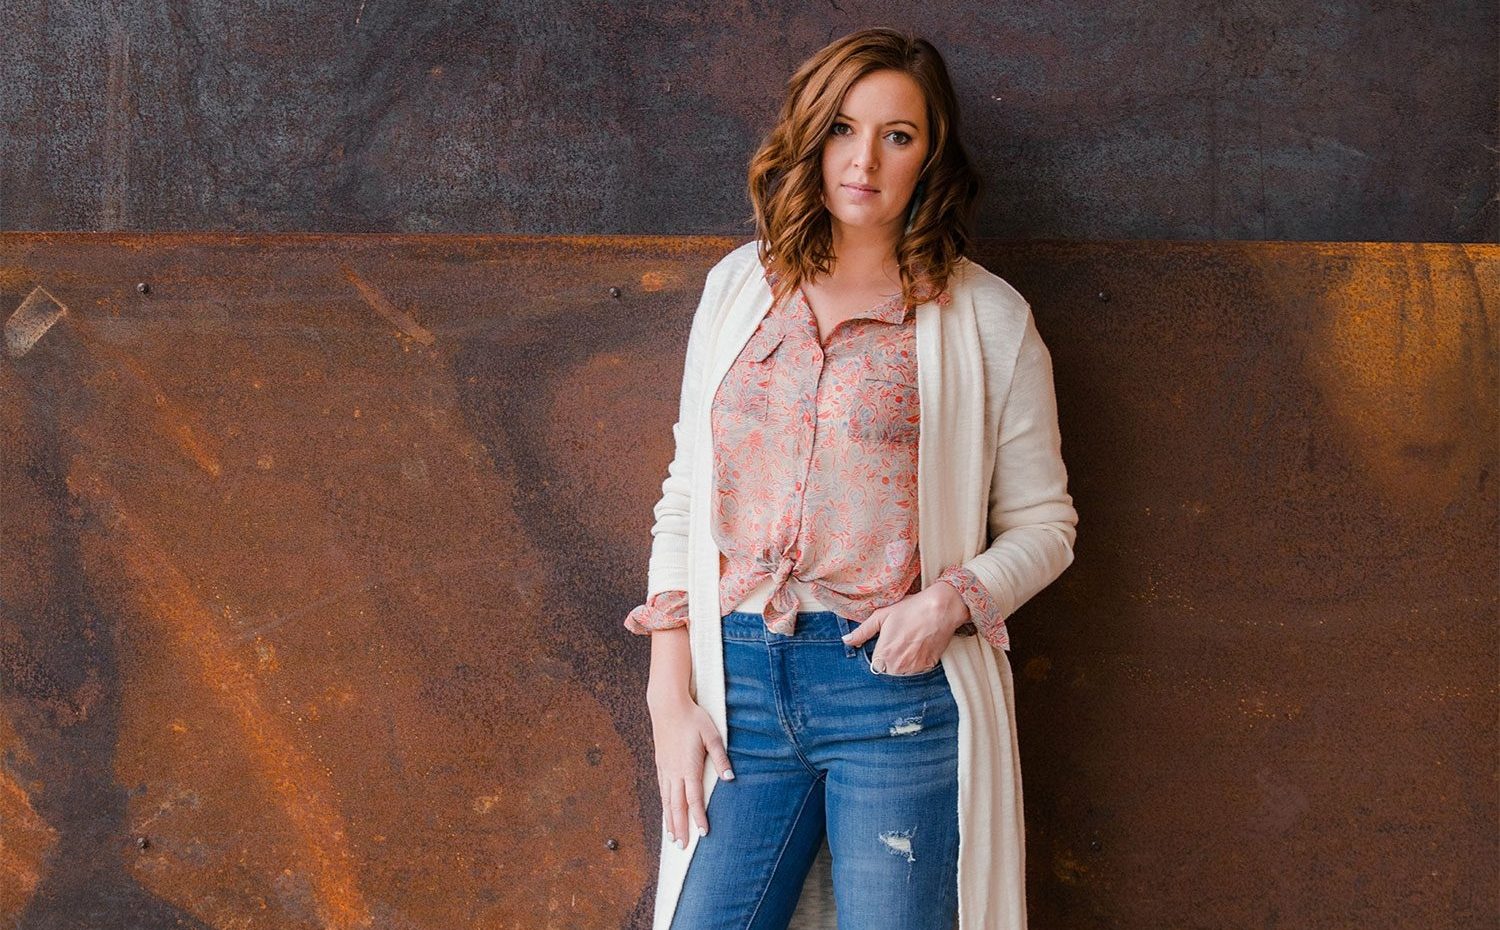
column 914, row 631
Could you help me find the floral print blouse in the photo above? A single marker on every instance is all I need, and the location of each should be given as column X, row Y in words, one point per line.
column 815, row 472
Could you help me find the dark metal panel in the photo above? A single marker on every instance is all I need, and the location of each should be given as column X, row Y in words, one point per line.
column 1092, row 120
column 1265, row 695
column 316, row 554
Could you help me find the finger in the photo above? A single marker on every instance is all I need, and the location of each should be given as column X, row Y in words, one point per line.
column 664, row 789
column 715, row 747
column 858, row 635
column 695, row 805
column 679, row 814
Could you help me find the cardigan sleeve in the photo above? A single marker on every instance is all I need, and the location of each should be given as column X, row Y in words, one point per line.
column 667, row 569
column 1032, row 522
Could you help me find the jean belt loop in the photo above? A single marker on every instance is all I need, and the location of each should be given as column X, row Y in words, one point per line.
column 845, row 628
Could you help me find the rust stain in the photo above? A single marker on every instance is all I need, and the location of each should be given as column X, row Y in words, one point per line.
column 1037, row 668
column 660, row 279
column 26, row 840
column 169, row 598
column 1403, row 335
column 170, row 419
column 1068, row 868
column 426, row 666
column 389, row 311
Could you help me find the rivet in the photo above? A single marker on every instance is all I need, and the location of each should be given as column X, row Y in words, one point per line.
column 143, row 288
column 611, row 843
column 614, row 292
column 141, row 842
column 1104, row 296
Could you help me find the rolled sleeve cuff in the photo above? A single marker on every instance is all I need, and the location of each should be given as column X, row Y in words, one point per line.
column 984, row 613
column 665, row 610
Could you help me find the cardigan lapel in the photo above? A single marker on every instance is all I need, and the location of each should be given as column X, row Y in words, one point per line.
column 746, row 302
column 956, row 457
column 951, row 447
column 748, row 307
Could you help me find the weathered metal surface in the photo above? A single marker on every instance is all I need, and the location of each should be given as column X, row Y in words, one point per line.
column 315, row 556
column 1091, row 120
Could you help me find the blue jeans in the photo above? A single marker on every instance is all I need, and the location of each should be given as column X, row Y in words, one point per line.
column 821, row 744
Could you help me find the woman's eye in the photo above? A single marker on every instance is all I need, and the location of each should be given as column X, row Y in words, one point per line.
column 897, row 136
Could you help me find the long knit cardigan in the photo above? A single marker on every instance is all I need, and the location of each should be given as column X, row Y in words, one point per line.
column 991, row 493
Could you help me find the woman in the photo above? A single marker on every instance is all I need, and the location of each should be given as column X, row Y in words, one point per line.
column 867, row 481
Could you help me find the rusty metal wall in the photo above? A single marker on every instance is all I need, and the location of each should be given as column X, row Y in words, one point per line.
column 314, row 555
column 1091, row 120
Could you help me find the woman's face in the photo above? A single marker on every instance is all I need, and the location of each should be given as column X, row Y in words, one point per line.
column 874, row 152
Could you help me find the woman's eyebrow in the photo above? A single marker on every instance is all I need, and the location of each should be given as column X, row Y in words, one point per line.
column 893, row 122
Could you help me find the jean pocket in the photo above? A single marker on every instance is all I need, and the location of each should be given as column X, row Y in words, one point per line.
column 867, row 651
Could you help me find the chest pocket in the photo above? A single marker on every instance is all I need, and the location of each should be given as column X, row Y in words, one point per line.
column 885, row 407
column 745, row 394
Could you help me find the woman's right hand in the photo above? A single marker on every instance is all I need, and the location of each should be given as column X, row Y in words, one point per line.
column 685, row 736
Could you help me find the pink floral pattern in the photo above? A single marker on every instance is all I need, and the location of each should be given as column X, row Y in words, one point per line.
column 983, row 610
column 815, row 472
column 665, row 610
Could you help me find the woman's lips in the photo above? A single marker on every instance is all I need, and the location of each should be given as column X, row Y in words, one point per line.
column 860, row 194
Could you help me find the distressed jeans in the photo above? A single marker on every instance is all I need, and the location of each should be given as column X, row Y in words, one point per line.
column 823, row 745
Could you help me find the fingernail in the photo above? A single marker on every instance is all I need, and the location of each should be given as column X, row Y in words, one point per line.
column 846, row 636
column 729, row 774
column 670, row 837
column 702, row 830
column 679, row 845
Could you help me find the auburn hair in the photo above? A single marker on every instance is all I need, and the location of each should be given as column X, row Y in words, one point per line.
column 792, row 224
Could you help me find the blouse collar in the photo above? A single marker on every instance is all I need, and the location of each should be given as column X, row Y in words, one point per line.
column 893, row 309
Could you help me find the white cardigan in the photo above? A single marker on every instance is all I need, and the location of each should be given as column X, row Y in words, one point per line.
column 991, row 493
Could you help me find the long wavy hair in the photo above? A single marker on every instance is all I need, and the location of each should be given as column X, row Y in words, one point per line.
column 792, row 224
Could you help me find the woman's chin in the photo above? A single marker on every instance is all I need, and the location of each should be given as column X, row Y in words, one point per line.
column 860, row 219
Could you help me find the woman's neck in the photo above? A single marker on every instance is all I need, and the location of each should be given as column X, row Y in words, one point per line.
column 864, row 255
